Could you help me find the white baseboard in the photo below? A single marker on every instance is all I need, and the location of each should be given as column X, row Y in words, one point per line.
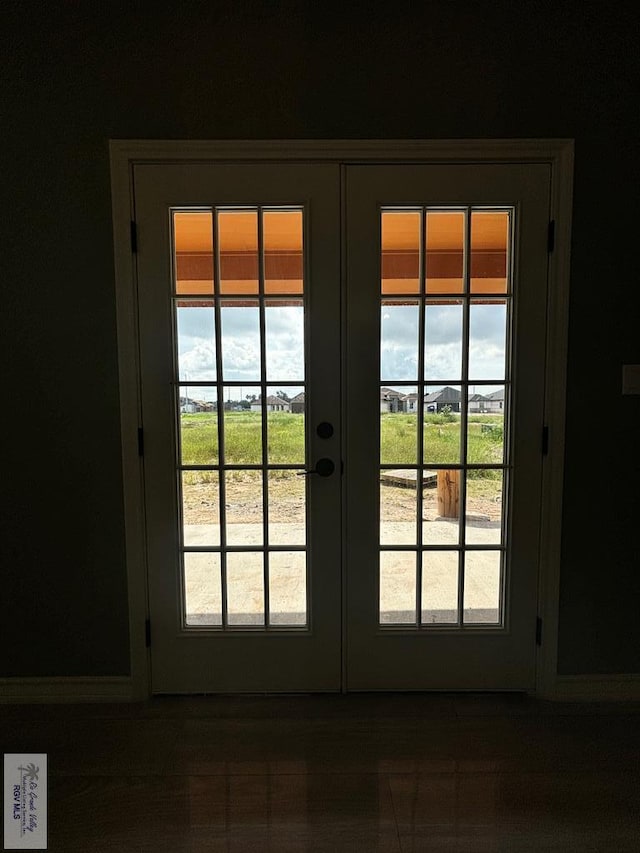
column 566, row 688
column 63, row 689
column 621, row 687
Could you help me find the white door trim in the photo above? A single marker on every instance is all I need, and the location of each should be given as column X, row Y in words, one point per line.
column 124, row 154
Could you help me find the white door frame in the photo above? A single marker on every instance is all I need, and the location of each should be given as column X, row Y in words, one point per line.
column 557, row 153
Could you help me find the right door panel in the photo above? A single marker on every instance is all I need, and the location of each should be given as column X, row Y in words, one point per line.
column 445, row 357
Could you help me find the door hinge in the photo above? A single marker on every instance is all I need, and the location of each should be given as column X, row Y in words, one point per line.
column 140, row 441
column 538, row 631
column 551, row 236
column 545, row 440
column 134, row 237
column 147, row 632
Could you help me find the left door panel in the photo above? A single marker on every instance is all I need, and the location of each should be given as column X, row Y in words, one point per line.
column 238, row 271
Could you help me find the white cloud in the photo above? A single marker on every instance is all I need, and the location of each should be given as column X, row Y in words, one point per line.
column 487, row 329
column 198, row 363
column 399, row 342
column 285, row 343
column 240, row 346
column 443, row 342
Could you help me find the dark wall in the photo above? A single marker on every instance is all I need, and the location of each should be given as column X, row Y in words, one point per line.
column 76, row 74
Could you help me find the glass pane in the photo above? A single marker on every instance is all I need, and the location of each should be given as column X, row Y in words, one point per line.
column 445, row 251
column 487, row 336
column 242, row 428
column 287, row 508
column 238, row 246
column 283, row 264
column 200, row 508
column 400, row 260
column 198, row 426
column 398, row 426
column 482, row 587
column 193, row 246
column 489, row 242
column 245, row 588
column 439, row 587
column 244, row 507
column 202, row 589
column 196, row 344
column 485, row 431
column 439, row 496
column 398, row 588
column 398, row 507
column 484, row 507
column 441, row 425
column 285, row 426
column 399, row 341
column 443, row 341
column 288, row 588
column 239, row 399
column 284, row 341
column 240, row 324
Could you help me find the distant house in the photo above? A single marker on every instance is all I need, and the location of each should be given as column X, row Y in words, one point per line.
column 410, row 403
column 437, row 400
column 273, row 404
column 190, row 407
column 297, row 404
column 478, row 403
column 391, row 400
column 495, row 401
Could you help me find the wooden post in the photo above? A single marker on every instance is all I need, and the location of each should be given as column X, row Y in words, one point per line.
column 449, row 493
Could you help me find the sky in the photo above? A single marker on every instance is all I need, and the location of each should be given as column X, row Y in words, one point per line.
column 241, row 348
column 285, row 342
column 443, row 343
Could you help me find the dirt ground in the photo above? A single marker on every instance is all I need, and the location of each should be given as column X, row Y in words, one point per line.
column 286, row 497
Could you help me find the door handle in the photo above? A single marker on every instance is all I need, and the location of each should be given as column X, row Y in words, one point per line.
column 324, row 468
column 324, row 430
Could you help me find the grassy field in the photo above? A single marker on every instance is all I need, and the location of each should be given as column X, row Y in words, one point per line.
column 285, row 436
column 243, row 436
column 442, row 440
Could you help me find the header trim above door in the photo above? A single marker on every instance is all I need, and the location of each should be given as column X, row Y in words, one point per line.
column 342, row 150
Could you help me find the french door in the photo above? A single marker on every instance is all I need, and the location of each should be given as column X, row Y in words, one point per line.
column 342, row 379
column 444, row 413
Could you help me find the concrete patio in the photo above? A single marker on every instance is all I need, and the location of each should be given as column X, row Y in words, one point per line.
column 245, row 579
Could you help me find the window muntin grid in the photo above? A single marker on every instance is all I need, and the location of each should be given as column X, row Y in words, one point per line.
column 240, row 267
column 449, row 557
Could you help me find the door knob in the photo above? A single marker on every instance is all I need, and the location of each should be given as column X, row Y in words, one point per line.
column 324, row 468
column 324, row 430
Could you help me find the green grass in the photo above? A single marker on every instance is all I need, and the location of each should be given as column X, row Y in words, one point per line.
column 242, row 438
column 398, row 439
column 199, row 439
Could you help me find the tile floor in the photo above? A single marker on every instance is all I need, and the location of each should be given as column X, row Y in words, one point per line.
column 364, row 772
